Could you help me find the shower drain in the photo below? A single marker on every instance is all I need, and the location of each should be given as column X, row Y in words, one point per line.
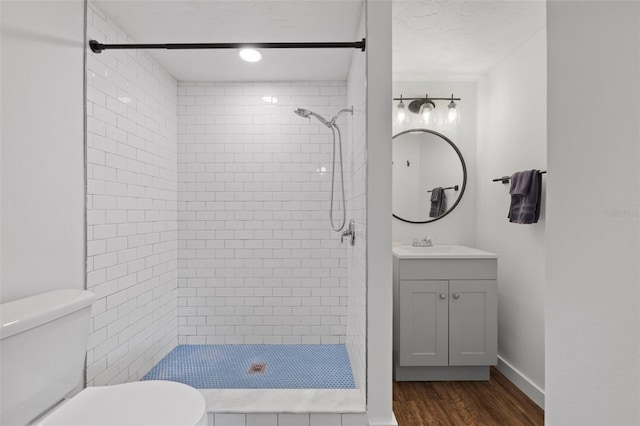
column 257, row 368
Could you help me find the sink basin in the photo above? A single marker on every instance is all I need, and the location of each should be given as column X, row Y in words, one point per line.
column 441, row 252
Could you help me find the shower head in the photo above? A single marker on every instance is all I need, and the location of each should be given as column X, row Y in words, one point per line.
column 307, row 114
column 302, row 112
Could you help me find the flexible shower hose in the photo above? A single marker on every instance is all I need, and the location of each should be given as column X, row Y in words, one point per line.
column 333, row 178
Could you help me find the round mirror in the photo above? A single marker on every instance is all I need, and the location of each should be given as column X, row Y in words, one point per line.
column 429, row 176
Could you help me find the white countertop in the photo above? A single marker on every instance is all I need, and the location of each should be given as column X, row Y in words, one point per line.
column 441, row 252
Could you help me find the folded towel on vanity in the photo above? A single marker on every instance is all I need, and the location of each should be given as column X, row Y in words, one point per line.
column 525, row 190
column 438, row 202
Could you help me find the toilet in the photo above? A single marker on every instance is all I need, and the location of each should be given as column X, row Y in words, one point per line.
column 43, row 341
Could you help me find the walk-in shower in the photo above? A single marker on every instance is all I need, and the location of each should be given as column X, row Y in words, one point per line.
column 209, row 244
column 331, row 124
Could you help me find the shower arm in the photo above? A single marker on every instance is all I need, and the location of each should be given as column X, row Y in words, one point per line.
column 335, row 117
column 98, row 47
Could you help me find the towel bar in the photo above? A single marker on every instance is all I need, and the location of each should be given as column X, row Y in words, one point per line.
column 449, row 187
column 506, row 179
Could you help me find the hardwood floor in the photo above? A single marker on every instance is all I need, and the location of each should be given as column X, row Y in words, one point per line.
column 497, row 402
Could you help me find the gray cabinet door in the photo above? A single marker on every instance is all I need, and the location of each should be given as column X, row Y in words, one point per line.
column 423, row 323
column 473, row 322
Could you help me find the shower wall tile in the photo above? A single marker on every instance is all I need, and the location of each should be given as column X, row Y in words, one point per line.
column 325, row 419
column 301, row 419
column 258, row 261
column 270, row 419
column 359, row 419
column 287, row 419
column 230, row 419
column 131, row 208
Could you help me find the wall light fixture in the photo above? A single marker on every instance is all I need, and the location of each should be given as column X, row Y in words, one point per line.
column 425, row 108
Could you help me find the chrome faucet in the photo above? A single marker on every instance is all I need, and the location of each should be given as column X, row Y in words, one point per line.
column 425, row 242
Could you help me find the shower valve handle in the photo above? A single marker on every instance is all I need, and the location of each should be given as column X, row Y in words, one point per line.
column 350, row 232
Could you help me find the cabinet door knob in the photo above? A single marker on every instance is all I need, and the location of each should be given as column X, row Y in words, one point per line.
column 456, row 295
column 443, row 296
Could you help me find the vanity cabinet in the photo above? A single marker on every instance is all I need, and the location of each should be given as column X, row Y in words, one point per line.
column 445, row 318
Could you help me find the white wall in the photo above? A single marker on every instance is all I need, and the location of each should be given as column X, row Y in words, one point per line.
column 379, row 290
column 512, row 137
column 459, row 226
column 259, row 262
column 131, row 208
column 593, row 219
column 42, row 147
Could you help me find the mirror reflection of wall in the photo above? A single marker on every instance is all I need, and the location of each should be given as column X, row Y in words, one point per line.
column 423, row 160
column 406, row 177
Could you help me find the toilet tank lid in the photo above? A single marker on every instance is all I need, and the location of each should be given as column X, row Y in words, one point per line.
column 23, row 314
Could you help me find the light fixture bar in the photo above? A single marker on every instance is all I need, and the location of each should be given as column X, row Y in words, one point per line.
column 429, row 98
column 416, row 104
column 425, row 106
column 98, row 47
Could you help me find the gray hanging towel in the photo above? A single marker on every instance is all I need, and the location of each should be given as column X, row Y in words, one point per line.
column 525, row 190
column 438, row 202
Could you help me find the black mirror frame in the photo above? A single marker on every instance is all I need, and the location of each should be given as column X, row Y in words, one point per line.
column 464, row 172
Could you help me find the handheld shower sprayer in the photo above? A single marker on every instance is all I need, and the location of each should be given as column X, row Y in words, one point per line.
column 305, row 113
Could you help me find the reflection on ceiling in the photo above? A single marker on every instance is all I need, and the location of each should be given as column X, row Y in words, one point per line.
column 459, row 40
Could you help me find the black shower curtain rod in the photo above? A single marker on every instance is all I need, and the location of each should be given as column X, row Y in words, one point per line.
column 98, row 47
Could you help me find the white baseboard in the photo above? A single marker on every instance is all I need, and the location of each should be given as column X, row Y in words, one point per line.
column 521, row 381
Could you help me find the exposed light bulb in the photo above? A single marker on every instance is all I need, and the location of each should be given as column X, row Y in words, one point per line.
column 250, row 55
column 425, row 112
column 452, row 115
column 401, row 115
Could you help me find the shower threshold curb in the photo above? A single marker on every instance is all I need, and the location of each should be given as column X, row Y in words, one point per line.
column 284, row 400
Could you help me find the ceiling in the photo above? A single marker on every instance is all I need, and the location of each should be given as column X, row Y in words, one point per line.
column 432, row 39
column 201, row 21
column 459, row 40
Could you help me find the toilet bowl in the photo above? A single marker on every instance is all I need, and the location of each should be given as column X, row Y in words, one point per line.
column 149, row 403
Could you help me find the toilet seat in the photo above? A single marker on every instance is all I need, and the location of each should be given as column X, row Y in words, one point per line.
column 148, row 403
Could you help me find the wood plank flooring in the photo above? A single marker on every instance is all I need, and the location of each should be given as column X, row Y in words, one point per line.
column 497, row 402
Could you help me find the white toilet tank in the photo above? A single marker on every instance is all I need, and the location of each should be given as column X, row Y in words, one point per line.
column 43, row 342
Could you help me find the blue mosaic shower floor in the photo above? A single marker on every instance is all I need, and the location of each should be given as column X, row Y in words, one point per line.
column 227, row 367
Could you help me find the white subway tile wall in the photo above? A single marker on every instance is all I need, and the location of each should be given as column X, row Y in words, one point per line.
column 258, row 261
column 283, row 419
column 131, row 208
